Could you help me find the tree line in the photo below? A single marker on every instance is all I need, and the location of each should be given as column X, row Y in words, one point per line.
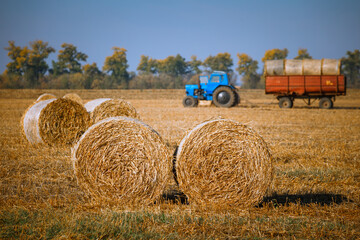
column 28, row 68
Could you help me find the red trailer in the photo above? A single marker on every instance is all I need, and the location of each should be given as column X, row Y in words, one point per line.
column 287, row 88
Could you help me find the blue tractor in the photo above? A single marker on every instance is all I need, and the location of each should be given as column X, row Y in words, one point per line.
column 215, row 88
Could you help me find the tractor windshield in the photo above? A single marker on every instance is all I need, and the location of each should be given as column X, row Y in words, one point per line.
column 204, row 79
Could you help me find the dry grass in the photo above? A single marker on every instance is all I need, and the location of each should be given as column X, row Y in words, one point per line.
column 315, row 192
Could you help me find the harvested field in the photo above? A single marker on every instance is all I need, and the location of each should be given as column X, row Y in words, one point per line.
column 315, row 191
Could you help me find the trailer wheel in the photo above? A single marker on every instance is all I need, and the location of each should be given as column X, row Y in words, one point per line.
column 285, row 102
column 224, row 97
column 190, row 101
column 325, row 103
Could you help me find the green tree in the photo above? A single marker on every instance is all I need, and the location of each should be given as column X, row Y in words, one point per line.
column 275, row 54
column 68, row 60
column 37, row 66
column 247, row 68
column 351, row 67
column 174, row 66
column 117, row 66
column 303, row 54
column 147, row 65
column 91, row 72
column 220, row 62
column 194, row 65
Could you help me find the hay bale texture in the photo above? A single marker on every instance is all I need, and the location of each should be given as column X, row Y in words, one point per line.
column 302, row 67
column 74, row 97
column 102, row 108
column 45, row 96
column 223, row 163
column 122, row 160
column 55, row 122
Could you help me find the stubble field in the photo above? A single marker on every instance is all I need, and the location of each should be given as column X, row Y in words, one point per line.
column 315, row 192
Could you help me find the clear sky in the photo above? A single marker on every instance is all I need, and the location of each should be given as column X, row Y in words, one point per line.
column 160, row 28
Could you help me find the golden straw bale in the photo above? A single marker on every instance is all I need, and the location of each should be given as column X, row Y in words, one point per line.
column 103, row 108
column 55, row 122
column 45, row 96
column 74, row 97
column 122, row 160
column 223, row 163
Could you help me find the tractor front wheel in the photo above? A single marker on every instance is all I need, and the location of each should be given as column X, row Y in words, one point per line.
column 190, row 101
column 224, row 97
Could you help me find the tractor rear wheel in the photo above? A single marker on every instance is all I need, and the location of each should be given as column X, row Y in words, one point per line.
column 237, row 98
column 190, row 101
column 285, row 102
column 224, row 97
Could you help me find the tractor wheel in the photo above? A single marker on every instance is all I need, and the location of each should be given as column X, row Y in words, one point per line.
column 224, row 97
column 237, row 98
column 190, row 101
column 325, row 103
column 285, row 102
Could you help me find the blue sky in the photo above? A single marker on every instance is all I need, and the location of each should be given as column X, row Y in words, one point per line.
column 160, row 28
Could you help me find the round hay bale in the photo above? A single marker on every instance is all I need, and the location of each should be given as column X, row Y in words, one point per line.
column 55, row 122
column 104, row 107
column 312, row 66
column 293, row 67
column 74, row 97
column 45, row 96
column 274, row 67
column 123, row 160
column 331, row 66
column 223, row 163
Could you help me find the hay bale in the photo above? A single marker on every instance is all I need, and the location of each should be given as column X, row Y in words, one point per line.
column 123, row 160
column 293, row 67
column 74, row 97
column 45, row 96
column 102, row 108
column 331, row 66
column 55, row 122
column 223, row 163
column 312, row 66
column 274, row 67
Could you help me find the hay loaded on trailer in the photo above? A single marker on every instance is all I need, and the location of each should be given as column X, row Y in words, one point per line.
column 306, row 79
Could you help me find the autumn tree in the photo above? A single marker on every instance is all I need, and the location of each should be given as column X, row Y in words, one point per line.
column 147, row 65
column 247, row 68
column 351, row 67
column 69, row 59
column 29, row 63
column 220, row 62
column 275, row 54
column 117, row 66
column 303, row 54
